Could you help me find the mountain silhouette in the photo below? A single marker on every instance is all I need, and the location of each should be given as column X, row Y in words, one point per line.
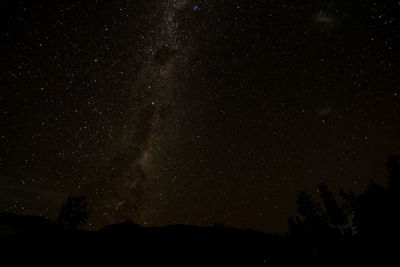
column 128, row 244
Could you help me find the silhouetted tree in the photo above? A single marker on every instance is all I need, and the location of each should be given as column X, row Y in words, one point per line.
column 308, row 208
column 334, row 212
column 329, row 213
column 320, row 227
column 355, row 226
column 377, row 211
column 393, row 164
column 73, row 213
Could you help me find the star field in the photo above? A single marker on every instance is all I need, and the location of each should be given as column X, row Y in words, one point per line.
column 194, row 112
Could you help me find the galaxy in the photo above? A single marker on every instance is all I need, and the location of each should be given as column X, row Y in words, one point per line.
column 194, row 112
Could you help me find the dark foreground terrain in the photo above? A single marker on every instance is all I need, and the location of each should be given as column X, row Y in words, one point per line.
column 36, row 241
column 340, row 229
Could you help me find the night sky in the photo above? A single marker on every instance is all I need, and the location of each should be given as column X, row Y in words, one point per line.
column 194, row 112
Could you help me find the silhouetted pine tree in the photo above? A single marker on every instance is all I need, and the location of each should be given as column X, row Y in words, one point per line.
column 356, row 226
